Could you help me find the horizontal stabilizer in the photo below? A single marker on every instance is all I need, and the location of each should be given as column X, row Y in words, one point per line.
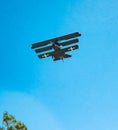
column 66, row 37
column 67, row 56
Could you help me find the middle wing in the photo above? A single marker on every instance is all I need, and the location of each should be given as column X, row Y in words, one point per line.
column 43, row 49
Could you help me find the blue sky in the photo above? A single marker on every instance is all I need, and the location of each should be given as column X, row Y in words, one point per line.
column 79, row 94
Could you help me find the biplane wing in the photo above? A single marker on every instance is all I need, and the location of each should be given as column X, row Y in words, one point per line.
column 56, row 47
column 43, row 49
column 65, row 37
column 70, row 48
column 47, row 48
column 59, row 53
column 69, row 42
column 46, row 54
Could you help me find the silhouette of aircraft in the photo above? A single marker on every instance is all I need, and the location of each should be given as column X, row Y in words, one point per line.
column 56, row 47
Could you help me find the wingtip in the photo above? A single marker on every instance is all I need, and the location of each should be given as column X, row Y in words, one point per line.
column 80, row 34
column 32, row 47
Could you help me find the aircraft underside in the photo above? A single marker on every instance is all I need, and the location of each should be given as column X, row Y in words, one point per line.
column 56, row 47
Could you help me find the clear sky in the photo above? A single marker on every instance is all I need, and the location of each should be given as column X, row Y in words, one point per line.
column 79, row 94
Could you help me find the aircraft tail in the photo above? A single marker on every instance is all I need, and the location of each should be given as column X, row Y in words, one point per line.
column 61, row 58
column 67, row 56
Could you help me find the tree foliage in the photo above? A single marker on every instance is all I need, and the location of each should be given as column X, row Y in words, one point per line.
column 10, row 123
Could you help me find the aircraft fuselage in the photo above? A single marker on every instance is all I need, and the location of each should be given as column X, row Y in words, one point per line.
column 59, row 54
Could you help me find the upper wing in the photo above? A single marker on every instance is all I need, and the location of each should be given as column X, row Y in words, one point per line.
column 65, row 37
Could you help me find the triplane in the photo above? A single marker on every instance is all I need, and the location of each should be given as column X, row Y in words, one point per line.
column 56, row 47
